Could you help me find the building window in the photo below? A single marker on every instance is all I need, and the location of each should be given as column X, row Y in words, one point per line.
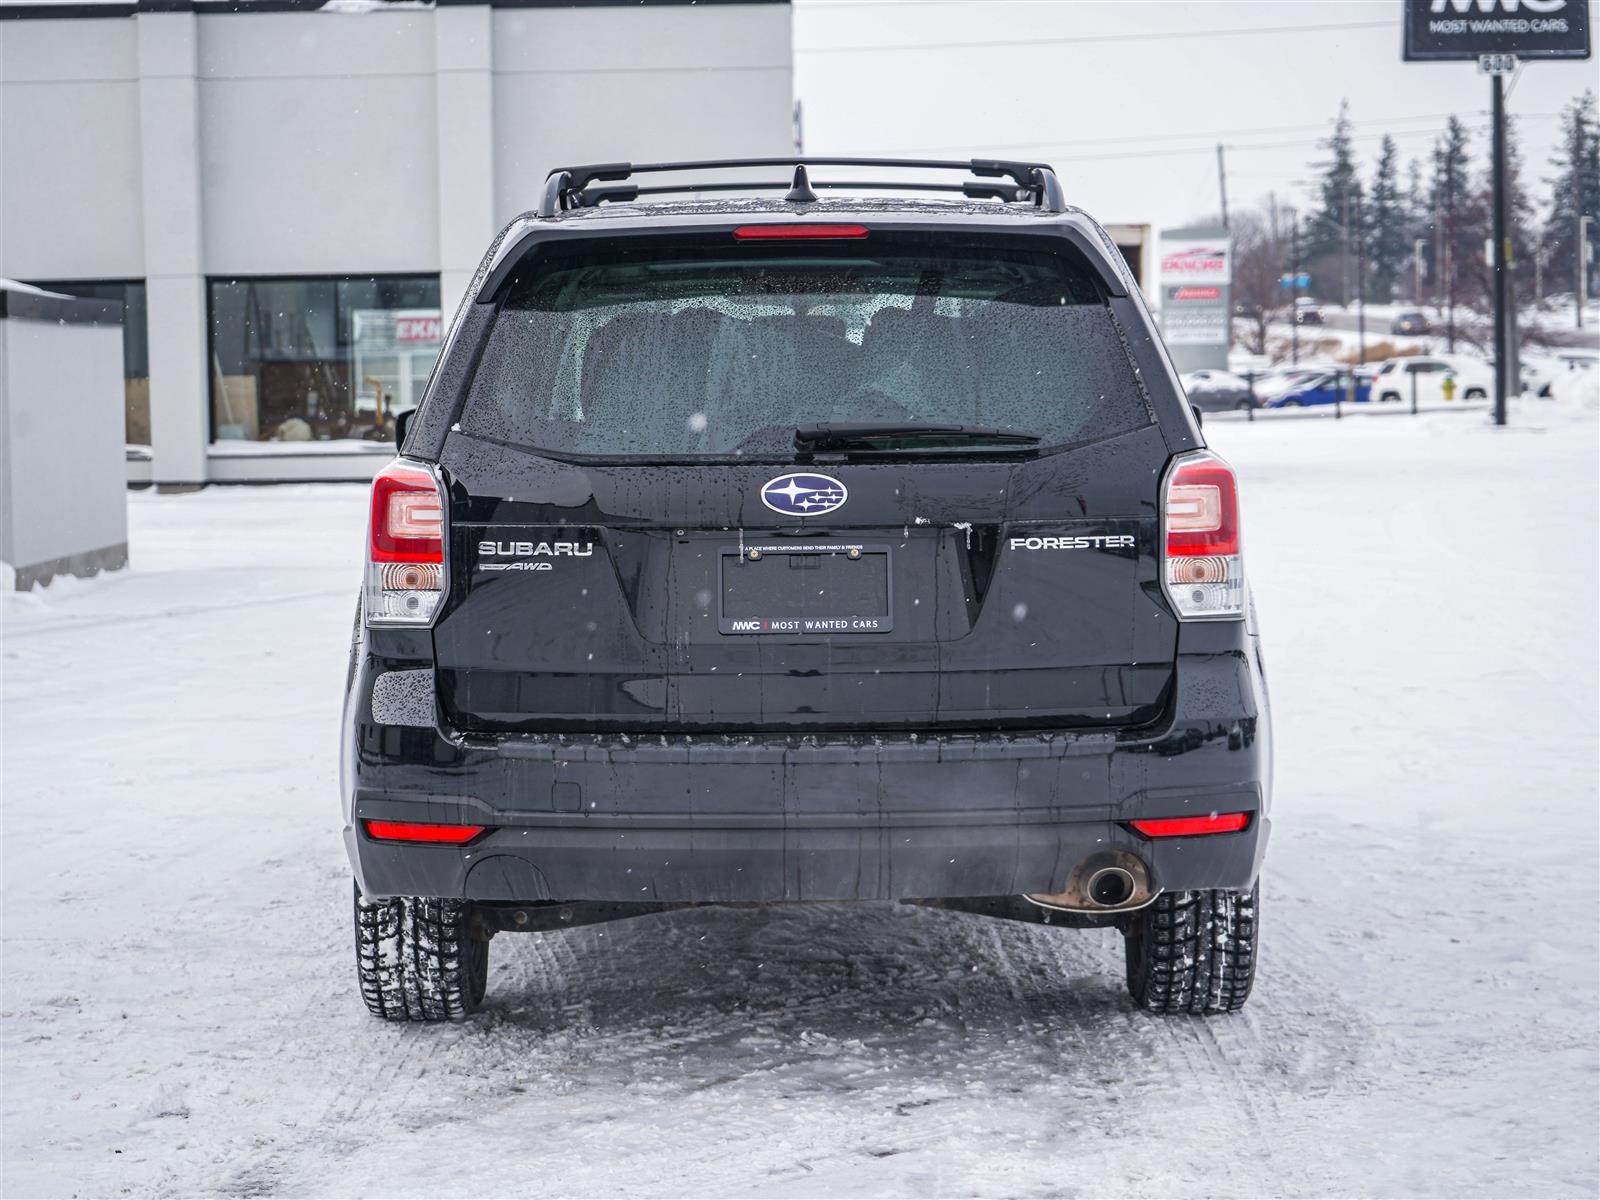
column 135, row 344
column 317, row 360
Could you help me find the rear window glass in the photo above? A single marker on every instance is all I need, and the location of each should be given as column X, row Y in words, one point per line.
column 688, row 347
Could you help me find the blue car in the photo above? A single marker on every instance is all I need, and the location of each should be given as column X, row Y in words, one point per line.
column 1322, row 389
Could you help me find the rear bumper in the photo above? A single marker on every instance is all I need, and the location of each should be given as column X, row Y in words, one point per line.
column 773, row 818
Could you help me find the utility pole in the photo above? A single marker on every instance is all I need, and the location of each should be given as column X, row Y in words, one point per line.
column 1439, row 260
column 1344, row 259
column 1583, row 252
column 1449, row 286
column 1502, row 350
column 1418, row 245
column 1361, row 285
column 1222, row 184
column 1294, row 286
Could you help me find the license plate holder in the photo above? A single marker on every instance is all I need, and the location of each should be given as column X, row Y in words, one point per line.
column 802, row 589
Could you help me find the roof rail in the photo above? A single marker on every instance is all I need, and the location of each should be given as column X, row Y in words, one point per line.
column 567, row 188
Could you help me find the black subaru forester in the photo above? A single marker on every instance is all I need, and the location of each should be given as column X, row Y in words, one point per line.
column 814, row 548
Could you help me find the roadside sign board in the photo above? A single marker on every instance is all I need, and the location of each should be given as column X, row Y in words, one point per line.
column 1455, row 30
column 1195, row 271
column 1189, row 320
column 1196, row 259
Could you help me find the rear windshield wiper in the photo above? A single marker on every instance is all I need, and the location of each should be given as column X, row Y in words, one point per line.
column 843, row 435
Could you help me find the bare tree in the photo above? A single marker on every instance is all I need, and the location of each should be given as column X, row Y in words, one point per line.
column 1260, row 255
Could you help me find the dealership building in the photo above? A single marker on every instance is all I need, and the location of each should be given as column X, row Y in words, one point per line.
column 289, row 198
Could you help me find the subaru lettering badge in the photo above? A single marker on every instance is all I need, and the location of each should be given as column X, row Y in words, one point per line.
column 801, row 494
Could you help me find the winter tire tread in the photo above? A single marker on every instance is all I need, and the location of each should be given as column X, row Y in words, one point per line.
column 1194, row 952
column 418, row 958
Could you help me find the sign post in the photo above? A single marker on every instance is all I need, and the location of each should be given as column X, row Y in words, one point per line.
column 1502, row 365
column 1500, row 35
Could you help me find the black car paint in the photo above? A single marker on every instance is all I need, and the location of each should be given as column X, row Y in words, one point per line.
column 599, row 800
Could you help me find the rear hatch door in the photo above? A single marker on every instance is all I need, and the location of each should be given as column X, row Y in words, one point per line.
column 895, row 482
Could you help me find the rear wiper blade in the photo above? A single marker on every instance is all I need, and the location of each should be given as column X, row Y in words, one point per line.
column 836, row 435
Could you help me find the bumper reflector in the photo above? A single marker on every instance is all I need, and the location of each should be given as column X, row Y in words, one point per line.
column 415, row 831
column 1192, row 826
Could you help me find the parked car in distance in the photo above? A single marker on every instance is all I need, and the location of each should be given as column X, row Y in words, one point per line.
column 1307, row 311
column 1282, row 379
column 1212, row 390
column 1326, row 388
column 1410, row 322
column 1393, row 382
column 1539, row 371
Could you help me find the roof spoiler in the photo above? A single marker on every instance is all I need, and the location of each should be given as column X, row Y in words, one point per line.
column 568, row 188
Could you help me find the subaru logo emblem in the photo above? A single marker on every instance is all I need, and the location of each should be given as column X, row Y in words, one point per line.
column 802, row 494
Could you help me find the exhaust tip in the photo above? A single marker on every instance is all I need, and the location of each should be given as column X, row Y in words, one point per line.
column 1111, row 887
column 1105, row 882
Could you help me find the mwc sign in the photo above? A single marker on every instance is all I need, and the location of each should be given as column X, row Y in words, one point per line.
column 1445, row 30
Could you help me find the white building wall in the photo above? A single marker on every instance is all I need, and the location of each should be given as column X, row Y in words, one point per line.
column 172, row 232
column 69, row 150
column 318, row 142
column 464, row 53
column 600, row 84
column 177, row 147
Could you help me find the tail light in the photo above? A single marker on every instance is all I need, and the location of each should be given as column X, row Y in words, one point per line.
column 746, row 233
column 421, row 831
column 405, row 546
column 1160, row 827
column 1204, row 573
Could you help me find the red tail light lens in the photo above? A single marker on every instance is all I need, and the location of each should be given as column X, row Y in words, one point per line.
column 418, row 831
column 407, row 515
column 747, row 233
column 1204, row 572
column 1165, row 827
column 405, row 548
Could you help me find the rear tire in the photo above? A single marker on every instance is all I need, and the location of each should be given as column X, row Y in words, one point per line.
column 1193, row 952
column 420, row 959
column 1476, row 394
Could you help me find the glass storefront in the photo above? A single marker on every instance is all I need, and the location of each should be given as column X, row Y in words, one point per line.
column 317, row 360
column 135, row 343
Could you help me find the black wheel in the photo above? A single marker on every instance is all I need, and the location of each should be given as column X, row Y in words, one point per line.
column 1389, row 398
column 1292, row 404
column 1476, row 394
column 419, row 959
column 1194, row 952
column 1243, row 405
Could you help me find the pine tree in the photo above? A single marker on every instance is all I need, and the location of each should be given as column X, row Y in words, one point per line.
column 1574, row 192
column 1330, row 229
column 1388, row 235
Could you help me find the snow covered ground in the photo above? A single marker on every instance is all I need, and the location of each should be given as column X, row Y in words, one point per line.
column 179, row 1013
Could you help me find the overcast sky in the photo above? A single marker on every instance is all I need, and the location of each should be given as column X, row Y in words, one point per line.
column 1128, row 98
